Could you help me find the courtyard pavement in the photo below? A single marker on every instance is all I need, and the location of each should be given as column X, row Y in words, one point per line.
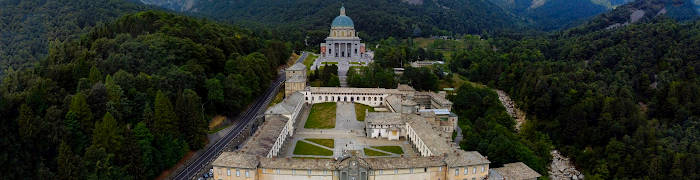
column 348, row 134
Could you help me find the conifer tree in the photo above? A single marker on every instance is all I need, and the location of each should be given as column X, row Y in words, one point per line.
column 82, row 112
column 108, row 134
column 95, row 75
column 68, row 163
column 192, row 123
column 28, row 127
column 164, row 118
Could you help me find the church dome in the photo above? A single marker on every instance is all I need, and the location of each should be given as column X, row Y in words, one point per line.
column 342, row 21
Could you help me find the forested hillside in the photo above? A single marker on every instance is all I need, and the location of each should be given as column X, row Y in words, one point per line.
column 621, row 103
column 640, row 11
column 554, row 14
column 563, row 14
column 27, row 27
column 130, row 98
column 374, row 19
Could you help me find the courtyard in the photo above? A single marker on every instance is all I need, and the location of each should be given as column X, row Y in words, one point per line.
column 334, row 127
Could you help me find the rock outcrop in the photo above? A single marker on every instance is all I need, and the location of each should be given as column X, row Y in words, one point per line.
column 561, row 168
column 512, row 109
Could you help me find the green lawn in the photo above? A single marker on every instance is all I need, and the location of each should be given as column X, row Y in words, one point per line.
column 369, row 152
column 322, row 116
column 309, row 158
column 325, row 142
column 360, row 111
column 391, row 149
column 360, row 63
column 304, row 148
column 309, row 60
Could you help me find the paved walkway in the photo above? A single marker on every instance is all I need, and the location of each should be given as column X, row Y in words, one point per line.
column 345, row 117
column 348, row 134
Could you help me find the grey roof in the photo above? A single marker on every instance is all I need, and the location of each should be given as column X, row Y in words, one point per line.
column 435, row 97
column 287, row 106
column 294, row 163
column 404, row 162
column 383, row 118
column 297, row 67
column 409, row 102
column 236, row 159
column 394, row 102
column 459, row 158
column 517, row 171
column 403, row 87
column 263, row 139
column 438, row 145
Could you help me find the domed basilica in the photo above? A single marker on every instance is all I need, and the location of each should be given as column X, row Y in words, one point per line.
column 342, row 44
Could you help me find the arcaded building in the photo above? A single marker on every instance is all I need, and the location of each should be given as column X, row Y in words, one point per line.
column 420, row 121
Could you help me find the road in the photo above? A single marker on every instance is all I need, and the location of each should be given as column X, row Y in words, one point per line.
column 202, row 161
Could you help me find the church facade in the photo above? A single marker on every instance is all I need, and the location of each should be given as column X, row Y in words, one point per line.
column 342, row 42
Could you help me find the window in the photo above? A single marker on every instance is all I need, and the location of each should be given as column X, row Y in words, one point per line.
column 277, row 171
column 381, row 171
column 411, row 170
column 473, row 178
column 474, row 170
column 456, row 171
column 325, row 171
column 238, row 172
column 309, row 171
column 294, row 171
column 483, row 168
column 247, row 174
column 228, row 172
column 440, row 168
column 425, row 169
column 396, row 171
column 466, row 171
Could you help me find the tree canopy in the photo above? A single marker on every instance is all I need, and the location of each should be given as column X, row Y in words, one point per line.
column 124, row 100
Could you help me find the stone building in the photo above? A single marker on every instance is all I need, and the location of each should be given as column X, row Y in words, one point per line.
column 295, row 79
column 241, row 166
column 422, row 119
